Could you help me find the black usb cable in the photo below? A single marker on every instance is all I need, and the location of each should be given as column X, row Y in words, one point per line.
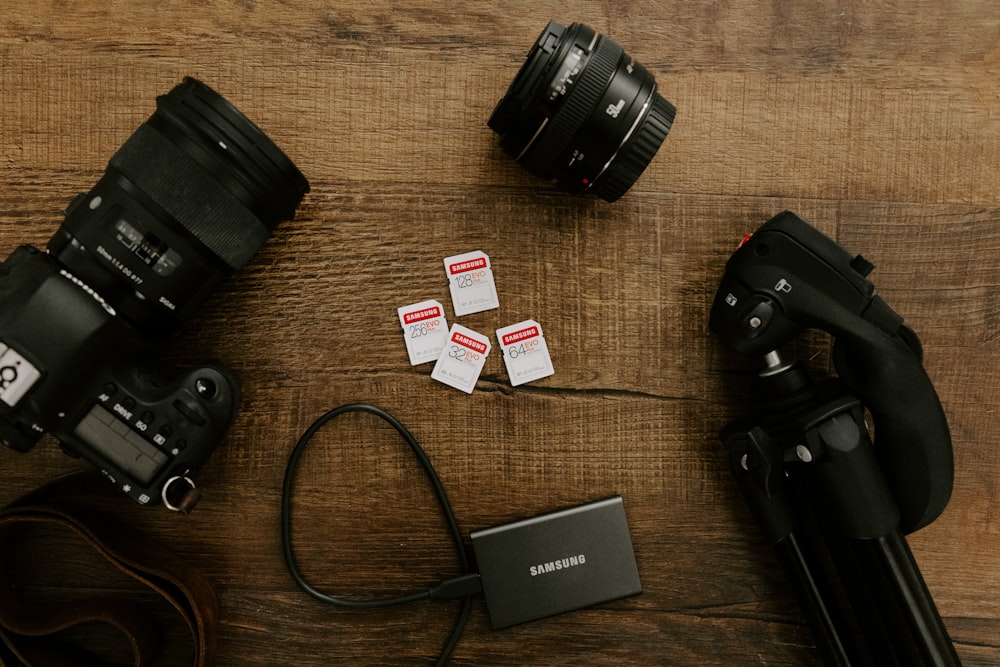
column 455, row 588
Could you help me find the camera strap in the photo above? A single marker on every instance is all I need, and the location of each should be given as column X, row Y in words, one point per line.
column 29, row 626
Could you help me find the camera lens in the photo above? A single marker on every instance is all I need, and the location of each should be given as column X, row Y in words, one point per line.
column 583, row 113
column 185, row 202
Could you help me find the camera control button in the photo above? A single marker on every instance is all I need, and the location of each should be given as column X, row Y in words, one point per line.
column 148, row 417
column 128, row 403
column 161, row 436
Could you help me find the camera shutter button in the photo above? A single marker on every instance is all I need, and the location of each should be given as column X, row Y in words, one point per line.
column 206, row 388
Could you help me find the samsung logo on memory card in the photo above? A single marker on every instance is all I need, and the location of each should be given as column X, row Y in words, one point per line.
column 424, row 314
column 556, row 565
column 462, row 339
column 530, row 332
column 469, row 265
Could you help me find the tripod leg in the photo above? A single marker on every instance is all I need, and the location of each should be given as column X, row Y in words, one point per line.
column 843, row 483
column 829, row 630
column 900, row 594
column 756, row 462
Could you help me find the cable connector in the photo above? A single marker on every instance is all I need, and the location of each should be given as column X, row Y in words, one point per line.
column 457, row 588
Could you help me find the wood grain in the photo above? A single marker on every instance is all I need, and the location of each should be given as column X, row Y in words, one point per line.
column 876, row 122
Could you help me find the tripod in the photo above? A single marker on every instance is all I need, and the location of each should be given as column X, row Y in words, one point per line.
column 834, row 504
column 808, row 472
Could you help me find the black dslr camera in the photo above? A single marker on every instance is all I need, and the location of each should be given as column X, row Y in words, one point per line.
column 184, row 203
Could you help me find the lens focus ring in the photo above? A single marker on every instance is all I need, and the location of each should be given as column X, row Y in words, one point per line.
column 638, row 152
column 187, row 200
column 579, row 102
column 193, row 197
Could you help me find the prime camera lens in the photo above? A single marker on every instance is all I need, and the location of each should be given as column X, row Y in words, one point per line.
column 582, row 112
column 188, row 199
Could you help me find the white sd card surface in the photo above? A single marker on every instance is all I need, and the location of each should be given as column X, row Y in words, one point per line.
column 525, row 352
column 462, row 358
column 425, row 330
column 470, row 279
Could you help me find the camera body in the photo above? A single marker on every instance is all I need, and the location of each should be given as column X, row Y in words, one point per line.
column 184, row 203
column 69, row 365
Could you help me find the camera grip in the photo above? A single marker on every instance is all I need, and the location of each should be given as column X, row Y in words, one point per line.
column 912, row 439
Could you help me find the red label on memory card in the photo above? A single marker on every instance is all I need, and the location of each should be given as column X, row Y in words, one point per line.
column 465, row 341
column 467, row 265
column 419, row 315
column 514, row 336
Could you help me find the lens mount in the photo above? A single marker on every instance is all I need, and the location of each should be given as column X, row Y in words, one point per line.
column 582, row 112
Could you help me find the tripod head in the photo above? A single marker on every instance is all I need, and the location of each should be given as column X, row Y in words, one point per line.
column 787, row 277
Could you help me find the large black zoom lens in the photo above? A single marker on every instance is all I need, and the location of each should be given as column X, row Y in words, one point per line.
column 185, row 202
column 583, row 112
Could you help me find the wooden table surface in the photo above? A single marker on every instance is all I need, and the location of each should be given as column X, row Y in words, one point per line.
column 877, row 122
